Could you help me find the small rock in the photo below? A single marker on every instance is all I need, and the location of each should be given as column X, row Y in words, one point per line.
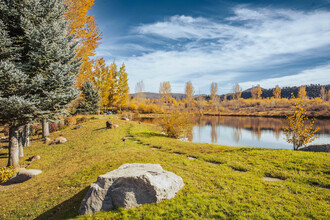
column 129, row 186
column 47, row 140
column 33, row 158
column 125, row 119
column 78, row 126
column 59, row 140
column 114, row 126
column 108, row 124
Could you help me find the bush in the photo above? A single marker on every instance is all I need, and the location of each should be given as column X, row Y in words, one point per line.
column 6, row 173
column 176, row 125
column 69, row 121
column 53, row 127
column 82, row 120
column 35, row 129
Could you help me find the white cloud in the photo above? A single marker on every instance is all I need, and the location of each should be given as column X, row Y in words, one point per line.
column 205, row 50
column 317, row 75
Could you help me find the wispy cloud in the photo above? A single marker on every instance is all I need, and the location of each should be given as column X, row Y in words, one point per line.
column 231, row 50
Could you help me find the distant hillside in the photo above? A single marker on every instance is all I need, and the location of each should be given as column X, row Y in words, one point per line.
column 312, row 92
column 152, row 95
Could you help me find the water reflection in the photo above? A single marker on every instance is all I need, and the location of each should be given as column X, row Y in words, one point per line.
column 249, row 131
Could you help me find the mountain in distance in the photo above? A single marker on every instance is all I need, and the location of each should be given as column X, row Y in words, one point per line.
column 312, row 91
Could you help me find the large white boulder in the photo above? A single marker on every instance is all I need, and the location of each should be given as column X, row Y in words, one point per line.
column 129, row 186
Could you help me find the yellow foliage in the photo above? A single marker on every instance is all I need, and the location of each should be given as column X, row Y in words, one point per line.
column 86, row 32
column 297, row 132
column 176, row 125
column 70, row 121
column 6, row 173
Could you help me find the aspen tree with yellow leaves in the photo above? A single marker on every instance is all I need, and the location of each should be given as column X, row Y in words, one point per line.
column 123, row 90
column 86, row 33
column 113, row 85
column 165, row 91
column 302, row 92
column 189, row 93
column 298, row 132
column 214, row 91
column 256, row 92
column 277, row 92
column 101, row 79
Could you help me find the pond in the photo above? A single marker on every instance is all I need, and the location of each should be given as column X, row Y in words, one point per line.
column 249, row 131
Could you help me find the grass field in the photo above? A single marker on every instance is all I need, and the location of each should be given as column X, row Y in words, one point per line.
column 220, row 182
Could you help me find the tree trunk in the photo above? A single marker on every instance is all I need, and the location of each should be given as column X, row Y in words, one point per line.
column 13, row 159
column 45, row 128
column 20, row 141
column 26, row 135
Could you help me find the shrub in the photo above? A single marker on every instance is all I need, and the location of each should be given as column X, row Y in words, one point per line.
column 6, row 173
column 176, row 125
column 69, row 121
column 82, row 120
column 53, row 127
column 35, row 129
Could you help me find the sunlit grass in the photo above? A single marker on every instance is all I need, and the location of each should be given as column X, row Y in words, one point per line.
column 213, row 187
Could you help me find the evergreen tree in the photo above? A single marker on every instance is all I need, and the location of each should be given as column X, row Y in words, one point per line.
column 91, row 99
column 123, row 90
column 37, row 64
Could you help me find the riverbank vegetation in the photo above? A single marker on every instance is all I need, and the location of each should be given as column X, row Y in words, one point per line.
column 220, row 181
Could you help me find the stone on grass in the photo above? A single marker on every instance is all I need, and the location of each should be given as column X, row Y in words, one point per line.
column 129, row 186
column 59, row 140
column 78, row 126
column 125, row 119
column 114, row 126
column 108, row 124
column 33, row 158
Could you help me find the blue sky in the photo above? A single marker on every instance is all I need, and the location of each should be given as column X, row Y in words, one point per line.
column 249, row 42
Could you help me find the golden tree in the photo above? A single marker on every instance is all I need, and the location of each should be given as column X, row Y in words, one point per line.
column 302, row 92
column 189, row 92
column 139, row 88
column 86, row 33
column 214, row 91
column 123, row 90
column 165, row 91
column 277, row 92
column 323, row 94
column 237, row 90
column 328, row 95
column 113, row 85
column 256, row 92
column 101, row 78
column 298, row 132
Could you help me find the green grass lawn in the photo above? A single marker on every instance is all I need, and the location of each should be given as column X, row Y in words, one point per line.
column 220, row 183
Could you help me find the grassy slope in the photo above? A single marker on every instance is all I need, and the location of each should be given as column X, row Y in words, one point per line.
column 212, row 190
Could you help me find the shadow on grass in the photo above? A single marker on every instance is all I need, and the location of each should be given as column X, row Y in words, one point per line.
column 151, row 134
column 67, row 209
column 4, row 155
column 100, row 129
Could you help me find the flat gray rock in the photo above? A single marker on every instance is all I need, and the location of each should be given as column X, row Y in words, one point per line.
column 129, row 186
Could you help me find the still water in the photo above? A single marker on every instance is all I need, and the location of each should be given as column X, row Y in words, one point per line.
column 249, row 131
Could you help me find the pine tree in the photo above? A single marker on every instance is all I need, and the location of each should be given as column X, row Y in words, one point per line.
column 38, row 80
column 123, row 90
column 91, row 99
